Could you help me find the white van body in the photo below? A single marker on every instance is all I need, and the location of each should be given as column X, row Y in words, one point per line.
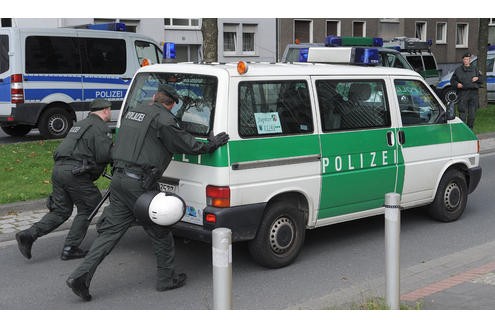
column 310, row 145
column 49, row 76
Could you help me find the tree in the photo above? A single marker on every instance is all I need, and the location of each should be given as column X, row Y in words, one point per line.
column 482, row 53
column 209, row 29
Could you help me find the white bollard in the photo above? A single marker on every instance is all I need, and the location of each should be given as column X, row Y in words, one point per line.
column 392, row 249
column 222, row 268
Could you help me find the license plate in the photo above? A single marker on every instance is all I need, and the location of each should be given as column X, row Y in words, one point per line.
column 167, row 187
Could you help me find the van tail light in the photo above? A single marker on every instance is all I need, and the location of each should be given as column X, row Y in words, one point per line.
column 16, row 89
column 218, row 196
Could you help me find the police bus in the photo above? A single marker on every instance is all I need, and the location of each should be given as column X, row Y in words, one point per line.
column 310, row 145
column 49, row 76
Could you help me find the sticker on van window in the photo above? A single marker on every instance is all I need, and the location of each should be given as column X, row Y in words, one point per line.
column 268, row 123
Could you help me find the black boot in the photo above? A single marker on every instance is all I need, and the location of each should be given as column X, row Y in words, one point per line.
column 25, row 241
column 80, row 287
column 177, row 282
column 72, row 252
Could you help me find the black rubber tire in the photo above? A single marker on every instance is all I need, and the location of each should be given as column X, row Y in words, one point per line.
column 280, row 236
column 17, row 130
column 55, row 123
column 451, row 198
column 449, row 94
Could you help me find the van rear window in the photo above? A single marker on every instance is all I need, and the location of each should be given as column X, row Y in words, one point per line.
column 4, row 53
column 197, row 98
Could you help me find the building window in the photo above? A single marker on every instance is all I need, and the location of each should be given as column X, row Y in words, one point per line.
column 359, row 28
column 187, row 53
column 248, row 33
column 239, row 39
column 461, row 35
column 441, row 35
column 303, row 31
column 230, row 37
column 421, row 30
column 182, row 22
column 333, row 28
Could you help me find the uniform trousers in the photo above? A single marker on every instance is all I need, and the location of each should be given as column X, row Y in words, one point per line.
column 116, row 218
column 68, row 190
column 468, row 104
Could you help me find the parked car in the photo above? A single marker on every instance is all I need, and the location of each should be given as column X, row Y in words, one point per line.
column 448, row 93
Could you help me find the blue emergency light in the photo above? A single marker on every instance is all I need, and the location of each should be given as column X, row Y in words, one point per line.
column 169, row 50
column 303, row 55
column 365, row 56
column 108, row 27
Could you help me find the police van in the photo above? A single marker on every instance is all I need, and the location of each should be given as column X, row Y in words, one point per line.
column 49, row 76
column 310, row 145
column 387, row 56
column 418, row 54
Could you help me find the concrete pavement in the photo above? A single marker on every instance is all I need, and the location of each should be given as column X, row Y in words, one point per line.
column 463, row 280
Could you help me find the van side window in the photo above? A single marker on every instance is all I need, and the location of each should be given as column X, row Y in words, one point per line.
column 354, row 104
column 416, row 103
column 4, row 53
column 274, row 107
column 104, row 56
column 48, row 54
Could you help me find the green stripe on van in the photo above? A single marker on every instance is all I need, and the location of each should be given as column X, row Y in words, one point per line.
column 219, row 158
column 248, row 150
column 425, row 135
column 461, row 132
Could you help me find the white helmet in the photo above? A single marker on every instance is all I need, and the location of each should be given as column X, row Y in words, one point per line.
column 162, row 208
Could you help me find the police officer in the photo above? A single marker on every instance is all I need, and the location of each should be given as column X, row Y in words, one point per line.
column 79, row 160
column 467, row 80
column 147, row 139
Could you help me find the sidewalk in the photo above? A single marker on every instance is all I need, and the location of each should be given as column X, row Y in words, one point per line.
column 464, row 280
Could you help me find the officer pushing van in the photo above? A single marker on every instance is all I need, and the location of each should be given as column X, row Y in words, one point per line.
column 149, row 135
column 79, row 160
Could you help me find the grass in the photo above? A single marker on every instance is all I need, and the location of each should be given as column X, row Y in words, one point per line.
column 379, row 303
column 26, row 169
column 485, row 120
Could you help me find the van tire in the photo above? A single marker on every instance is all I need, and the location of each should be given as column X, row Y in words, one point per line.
column 17, row 130
column 55, row 123
column 451, row 198
column 280, row 236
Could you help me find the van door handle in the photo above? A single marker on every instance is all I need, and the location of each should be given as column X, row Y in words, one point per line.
column 402, row 137
column 126, row 78
column 390, row 138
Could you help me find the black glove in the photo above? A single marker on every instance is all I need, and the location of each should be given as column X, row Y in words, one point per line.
column 217, row 140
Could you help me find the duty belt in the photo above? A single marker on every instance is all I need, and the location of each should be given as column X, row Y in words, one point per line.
column 129, row 174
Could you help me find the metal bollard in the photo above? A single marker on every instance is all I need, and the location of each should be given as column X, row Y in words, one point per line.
column 392, row 249
column 222, row 268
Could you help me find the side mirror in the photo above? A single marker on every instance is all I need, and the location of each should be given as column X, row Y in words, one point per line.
column 450, row 111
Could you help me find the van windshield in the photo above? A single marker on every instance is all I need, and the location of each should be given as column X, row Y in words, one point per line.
column 197, row 98
column 4, row 53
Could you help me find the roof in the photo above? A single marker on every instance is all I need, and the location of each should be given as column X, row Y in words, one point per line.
column 279, row 69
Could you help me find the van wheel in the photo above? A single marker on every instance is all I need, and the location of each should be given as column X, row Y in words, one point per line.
column 280, row 236
column 449, row 94
column 17, row 130
column 451, row 198
column 55, row 123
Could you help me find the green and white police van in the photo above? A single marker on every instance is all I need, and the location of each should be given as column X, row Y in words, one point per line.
column 310, row 145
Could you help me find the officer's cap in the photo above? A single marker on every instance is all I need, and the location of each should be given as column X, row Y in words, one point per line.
column 169, row 91
column 99, row 104
column 467, row 54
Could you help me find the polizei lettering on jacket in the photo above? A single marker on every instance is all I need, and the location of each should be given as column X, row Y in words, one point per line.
column 358, row 161
column 135, row 116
